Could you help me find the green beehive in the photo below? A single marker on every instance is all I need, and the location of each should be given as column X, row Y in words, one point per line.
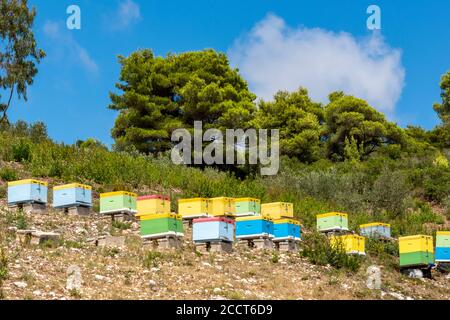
column 416, row 258
column 247, row 207
column 161, row 225
column 117, row 202
column 332, row 221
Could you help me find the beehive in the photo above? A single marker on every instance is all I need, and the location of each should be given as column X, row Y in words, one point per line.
column 222, row 206
column 27, row 191
column 153, row 226
column 286, row 229
column 72, row 195
column 253, row 227
column 443, row 246
column 153, row 204
column 332, row 221
column 277, row 210
column 416, row 251
column 213, row 229
column 117, row 202
column 376, row 230
column 193, row 208
column 351, row 243
column 247, row 207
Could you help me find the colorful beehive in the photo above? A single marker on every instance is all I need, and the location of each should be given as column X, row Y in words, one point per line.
column 332, row 221
column 27, row 191
column 286, row 229
column 118, row 202
column 443, row 246
column 153, row 204
column 72, row 195
column 254, row 227
column 222, row 206
column 193, row 208
column 213, row 229
column 277, row 210
column 155, row 226
column 376, row 230
column 352, row 243
column 247, row 207
column 416, row 251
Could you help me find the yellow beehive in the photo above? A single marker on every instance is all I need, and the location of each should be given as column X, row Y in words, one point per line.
column 153, row 204
column 419, row 243
column 193, row 208
column 352, row 243
column 221, row 206
column 277, row 210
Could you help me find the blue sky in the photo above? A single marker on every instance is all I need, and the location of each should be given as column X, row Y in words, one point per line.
column 269, row 40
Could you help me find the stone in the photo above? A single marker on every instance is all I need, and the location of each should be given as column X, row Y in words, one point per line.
column 414, row 273
column 24, row 236
column 39, row 237
column 111, row 241
column 261, row 244
column 79, row 211
column 74, row 280
column 20, row 284
column 153, row 285
column 221, row 247
column 373, row 278
column 287, row 246
column 34, row 208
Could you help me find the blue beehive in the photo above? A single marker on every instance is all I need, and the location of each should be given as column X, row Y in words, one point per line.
column 286, row 229
column 253, row 227
column 72, row 195
column 27, row 191
column 442, row 252
column 375, row 230
column 213, row 229
column 442, row 255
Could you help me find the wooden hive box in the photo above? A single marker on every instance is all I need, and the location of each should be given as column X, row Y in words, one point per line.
column 278, row 210
column 247, row 207
column 286, row 229
column 416, row 251
column 27, row 191
column 154, row 226
column 72, row 195
column 375, row 230
column 351, row 243
column 213, row 229
column 221, row 206
column 332, row 221
column 118, row 202
column 442, row 246
column 254, row 227
column 153, row 204
column 193, row 208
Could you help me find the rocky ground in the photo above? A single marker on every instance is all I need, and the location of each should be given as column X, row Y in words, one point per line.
column 75, row 268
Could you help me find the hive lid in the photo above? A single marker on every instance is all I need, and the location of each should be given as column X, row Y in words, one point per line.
column 331, row 214
column 246, row 199
column 415, row 237
column 146, row 216
column 72, row 186
column 27, row 181
column 214, row 219
column 276, row 204
column 375, row 224
column 252, row 218
column 154, row 196
column 220, row 198
column 118, row 193
column 442, row 233
column 192, row 200
column 287, row 220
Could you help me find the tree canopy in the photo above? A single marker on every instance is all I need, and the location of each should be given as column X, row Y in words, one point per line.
column 18, row 52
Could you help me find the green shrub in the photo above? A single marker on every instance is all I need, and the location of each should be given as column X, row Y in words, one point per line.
column 152, row 258
column 21, row 151
column 8, row 174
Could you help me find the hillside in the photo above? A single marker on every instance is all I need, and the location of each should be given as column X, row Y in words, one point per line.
column 136, row 272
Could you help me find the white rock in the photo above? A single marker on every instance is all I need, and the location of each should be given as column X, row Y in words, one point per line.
column 73, row 278
column 217, row 290
column 153, row 285
column 20, row 284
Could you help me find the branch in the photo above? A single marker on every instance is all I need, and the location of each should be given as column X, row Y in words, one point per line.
column 4, row 116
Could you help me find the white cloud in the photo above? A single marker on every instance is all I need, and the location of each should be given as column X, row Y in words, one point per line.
column 127, row 13
column 273, row 56
column 63, row 39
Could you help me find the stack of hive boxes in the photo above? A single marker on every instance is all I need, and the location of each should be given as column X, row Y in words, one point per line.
column 31, row 195
column 416, row 251
column 286, row 229
column 118, row 204
column 75, row 198
column 443, row 246
column 215, row 231
column 376, row 230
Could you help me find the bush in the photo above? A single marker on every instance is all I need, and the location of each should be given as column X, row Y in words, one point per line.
column 21, row 151
column 318, row 250
column 7, row 174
